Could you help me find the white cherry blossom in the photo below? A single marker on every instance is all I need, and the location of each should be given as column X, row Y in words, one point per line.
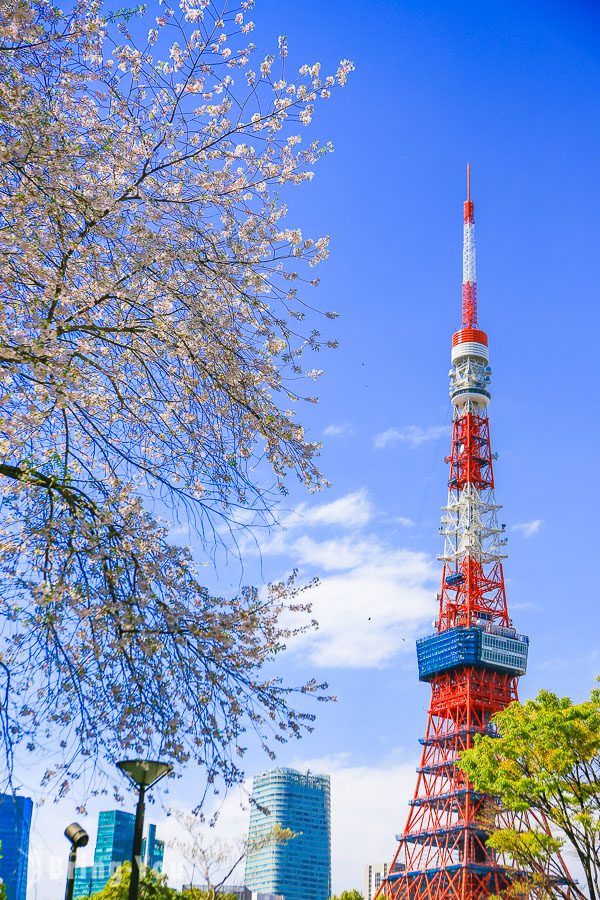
column 150, row 354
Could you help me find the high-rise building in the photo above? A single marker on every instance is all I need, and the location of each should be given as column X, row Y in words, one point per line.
column 300, row 868
column 114, row 846
column 153, row 850
column 473, row 660
column 15, row 821
column 114, row 841
column 374, row 875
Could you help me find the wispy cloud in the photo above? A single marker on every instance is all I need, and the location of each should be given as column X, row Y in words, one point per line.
column 372, row 599
column 370, row 603
column 180, row 531
column 404, row 521
column 352, row 510
column 519, row 605
column 528, row 529
column 338, row 430
column 413, row 435
column 575, row 662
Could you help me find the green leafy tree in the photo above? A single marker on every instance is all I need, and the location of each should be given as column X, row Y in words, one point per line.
column 197, row 894
column 153, row 886
column 348, row 895
column 547, row 762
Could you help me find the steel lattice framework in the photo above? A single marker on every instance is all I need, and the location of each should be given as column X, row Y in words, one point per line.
column 474, row 658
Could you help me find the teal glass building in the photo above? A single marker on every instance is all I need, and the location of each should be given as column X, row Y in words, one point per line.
column 114, row 846
column 15, row 822
column 153, row 850
column 299, row 869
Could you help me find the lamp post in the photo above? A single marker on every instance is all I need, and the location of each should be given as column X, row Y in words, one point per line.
column 143, row 774
column 78, row 837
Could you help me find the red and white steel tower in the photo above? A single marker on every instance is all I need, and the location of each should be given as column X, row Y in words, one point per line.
column 473, row 660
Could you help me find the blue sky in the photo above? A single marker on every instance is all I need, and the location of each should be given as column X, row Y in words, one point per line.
column 513, row 87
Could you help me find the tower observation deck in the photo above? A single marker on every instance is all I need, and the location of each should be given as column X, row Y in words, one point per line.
column 474, row 658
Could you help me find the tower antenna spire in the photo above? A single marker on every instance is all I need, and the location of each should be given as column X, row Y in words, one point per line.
column 469, row 286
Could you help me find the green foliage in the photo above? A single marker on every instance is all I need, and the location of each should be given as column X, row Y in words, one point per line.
column 197, row 894
column 349, row 895
column 547, row 760
column 153, row 886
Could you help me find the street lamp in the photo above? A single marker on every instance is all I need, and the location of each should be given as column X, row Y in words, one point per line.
column 78, row 837
column 144, row 774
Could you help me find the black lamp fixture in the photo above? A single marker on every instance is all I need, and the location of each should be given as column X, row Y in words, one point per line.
column 144, row 774
column 78, row 837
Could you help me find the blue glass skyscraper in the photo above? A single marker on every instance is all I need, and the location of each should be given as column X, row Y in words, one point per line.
column 299, row 869
column 114, row 846
column 153, row 850
column 15, row 821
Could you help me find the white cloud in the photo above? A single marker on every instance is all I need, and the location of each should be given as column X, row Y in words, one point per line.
column 413, row 435
column 404, row 521
column 333, row 555
column 528, row 529
column 370, row 604
column 350, row 511
column 338, row 430
column 519, row 605
column 372, row 598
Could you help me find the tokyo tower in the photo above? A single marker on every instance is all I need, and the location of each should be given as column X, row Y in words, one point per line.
column 473, row 660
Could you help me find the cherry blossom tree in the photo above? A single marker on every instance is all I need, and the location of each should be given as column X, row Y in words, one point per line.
column 152, row 329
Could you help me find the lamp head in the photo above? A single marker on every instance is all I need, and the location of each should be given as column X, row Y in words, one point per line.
column 77, row 835
column 144, row 772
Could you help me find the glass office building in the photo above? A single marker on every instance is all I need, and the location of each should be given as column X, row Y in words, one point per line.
column 114, row 846
column 299, row 869
column 154, row 855
column 15, row 822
